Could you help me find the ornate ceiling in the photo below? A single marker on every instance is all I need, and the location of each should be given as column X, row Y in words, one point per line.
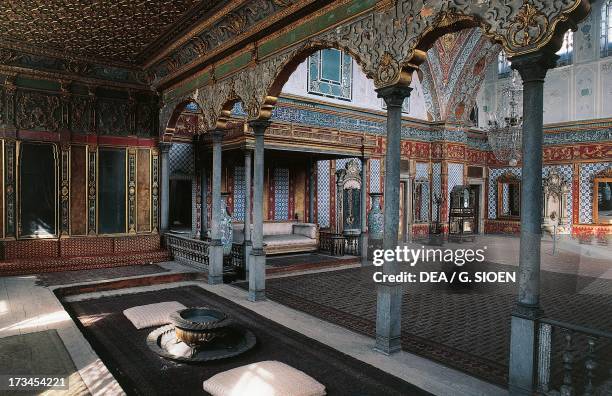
column 120, row 31
column 453, row 71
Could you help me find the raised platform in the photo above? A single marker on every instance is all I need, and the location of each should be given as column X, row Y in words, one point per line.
column 32, row 256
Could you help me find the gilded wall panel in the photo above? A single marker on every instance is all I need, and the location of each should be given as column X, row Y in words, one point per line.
column 10, row 188
column 78, row 190
column 143, row 190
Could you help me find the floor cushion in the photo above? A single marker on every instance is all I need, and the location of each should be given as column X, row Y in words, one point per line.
column 150, row 315
column 268, row 378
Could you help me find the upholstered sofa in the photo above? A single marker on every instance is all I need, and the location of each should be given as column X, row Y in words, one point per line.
column 284, row 236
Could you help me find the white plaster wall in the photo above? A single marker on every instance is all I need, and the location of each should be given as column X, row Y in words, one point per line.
column 580, row 91
column 363, row 91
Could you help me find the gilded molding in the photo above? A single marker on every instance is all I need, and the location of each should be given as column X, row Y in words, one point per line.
column 92, row 190
column 10, row 188
column 65, row 191
column 131, row 207
column 154, row 190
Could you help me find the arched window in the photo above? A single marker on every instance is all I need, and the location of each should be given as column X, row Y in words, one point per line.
column 503, row 65
column 565, row 52
column 606, row 28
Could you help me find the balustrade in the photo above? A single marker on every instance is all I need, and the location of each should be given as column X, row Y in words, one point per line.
column 192, row 252
column 573, row 360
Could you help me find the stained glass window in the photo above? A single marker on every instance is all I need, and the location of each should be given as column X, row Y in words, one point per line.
column 606, row 28
column 330, row 74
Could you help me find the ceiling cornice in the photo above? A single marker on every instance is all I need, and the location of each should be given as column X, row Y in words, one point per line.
column 167, row 46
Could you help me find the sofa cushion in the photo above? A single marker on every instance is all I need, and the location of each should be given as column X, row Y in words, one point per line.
column 287, row 240
column 307, row 229
column 268, row 378
column 281, row 228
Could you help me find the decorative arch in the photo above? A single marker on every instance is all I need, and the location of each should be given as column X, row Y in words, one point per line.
column 173, row 119
column 390, row 43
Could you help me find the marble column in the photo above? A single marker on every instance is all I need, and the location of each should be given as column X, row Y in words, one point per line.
column 215, row 249
column 389, row 296
column 164, row 148
column 523, row 346
column 363, row 200
column 247, row 210
column 311, row 190
column 204, row 204
column 257, row 262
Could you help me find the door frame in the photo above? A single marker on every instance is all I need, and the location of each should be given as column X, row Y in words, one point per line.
column 481, row 200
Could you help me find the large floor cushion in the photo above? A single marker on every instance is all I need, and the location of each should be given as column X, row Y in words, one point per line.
column 268, row 378
column 150, row 315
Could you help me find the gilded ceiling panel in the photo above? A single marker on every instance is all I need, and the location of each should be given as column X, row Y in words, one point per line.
column 116, row 30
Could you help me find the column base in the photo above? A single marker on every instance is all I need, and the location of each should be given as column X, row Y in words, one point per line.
column 257, row 275
column 388, row 319
column 215, row 262
column 523, row 350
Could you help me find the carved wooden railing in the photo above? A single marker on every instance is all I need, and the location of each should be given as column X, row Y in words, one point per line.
column 189, row 251
column 583, row 366
column 351, row 245
column 337, row 244
column 331, row 243
column 236, row 260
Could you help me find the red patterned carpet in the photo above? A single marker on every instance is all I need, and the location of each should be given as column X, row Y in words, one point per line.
column 465, row 328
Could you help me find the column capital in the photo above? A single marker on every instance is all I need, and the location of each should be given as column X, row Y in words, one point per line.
column 259, row 126
column 533, row 67
column 394, row 95
column 216, row 135
column 164, row 147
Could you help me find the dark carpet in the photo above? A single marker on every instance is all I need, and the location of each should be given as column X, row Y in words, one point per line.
column 467, row 328
column 71, row 277
column 310, row 258
column 140, row 371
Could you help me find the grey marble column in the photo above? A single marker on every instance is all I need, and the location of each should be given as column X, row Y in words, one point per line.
column 257, row 263
column 215, row 250
column 523, row 347
column 389, row 296
column 165, row 187
column 311, row 190
column 363, row 237
column 203, row 203
column 408, row 220
column 247, row 210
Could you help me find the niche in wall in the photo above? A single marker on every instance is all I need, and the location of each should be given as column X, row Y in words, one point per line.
column 37, row 190
column 508, row 197
column 112, row 191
